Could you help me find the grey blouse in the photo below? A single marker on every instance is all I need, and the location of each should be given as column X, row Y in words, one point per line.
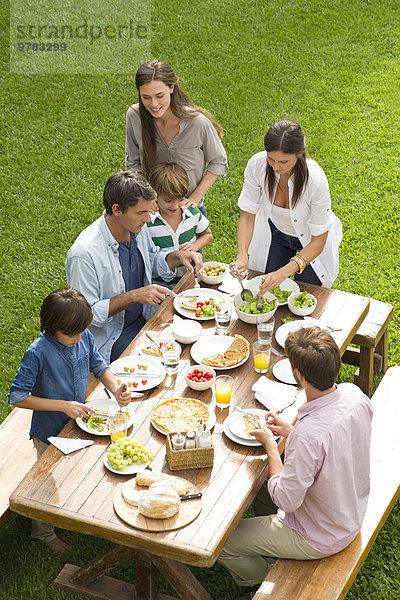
column 196, row 147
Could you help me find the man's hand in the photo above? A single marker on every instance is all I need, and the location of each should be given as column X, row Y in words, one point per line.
column 277, row 425
column 186, row 258
column 188, row 246
column 263, row 435
column 151, row 294
column 76, row 409
column 122, row 396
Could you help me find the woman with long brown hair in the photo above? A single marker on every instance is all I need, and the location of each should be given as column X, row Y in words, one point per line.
column 286, row 222
column 165, row 126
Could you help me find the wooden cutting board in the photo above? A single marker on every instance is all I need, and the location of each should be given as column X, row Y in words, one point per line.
column 188, row 511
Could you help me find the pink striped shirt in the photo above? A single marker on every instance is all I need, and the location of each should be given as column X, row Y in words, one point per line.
column 322, row 491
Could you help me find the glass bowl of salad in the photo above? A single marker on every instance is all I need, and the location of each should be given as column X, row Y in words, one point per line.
column 302, row 303
column 248, row 311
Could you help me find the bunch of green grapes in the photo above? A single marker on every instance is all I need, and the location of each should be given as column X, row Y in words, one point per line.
column 126, row 451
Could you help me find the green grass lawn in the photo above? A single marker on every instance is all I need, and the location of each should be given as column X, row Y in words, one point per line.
column 333, row 66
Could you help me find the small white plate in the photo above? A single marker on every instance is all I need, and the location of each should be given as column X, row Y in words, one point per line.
column 235, row 438
column 284, row 330
column 108, row 406
column 154, row 365
column 128, row 470
column 287, row 284
column 204, row 294
column 237, row 425
column 216, row 344
column 209, row 425
column 283, row 371
column 151, row 345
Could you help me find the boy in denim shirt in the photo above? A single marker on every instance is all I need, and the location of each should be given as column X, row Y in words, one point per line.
column 53, row 376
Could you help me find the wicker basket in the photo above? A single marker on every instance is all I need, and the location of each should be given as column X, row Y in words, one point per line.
column 195, row 458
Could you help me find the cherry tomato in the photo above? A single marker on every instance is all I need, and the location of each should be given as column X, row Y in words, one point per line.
column 135, row 384
column 197, row 314
column 144, row 381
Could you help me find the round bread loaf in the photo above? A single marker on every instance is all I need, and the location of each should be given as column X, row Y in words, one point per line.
column 160, row 501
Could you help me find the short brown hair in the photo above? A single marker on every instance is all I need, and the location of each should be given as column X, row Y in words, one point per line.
column 315, row 354
column 170, row 181
column 65, row 310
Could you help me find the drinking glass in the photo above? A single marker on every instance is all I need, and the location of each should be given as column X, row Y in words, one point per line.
column 265, row 330
column 261, row 355
column 223, row 320
column 223, row 390
column 117, row 425
column 171, row 358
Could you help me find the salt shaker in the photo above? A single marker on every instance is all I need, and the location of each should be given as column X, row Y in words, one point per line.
column 178, row 441
column 190, row 440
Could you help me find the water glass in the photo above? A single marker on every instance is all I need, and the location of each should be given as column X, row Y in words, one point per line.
column 265, row 330
column 223, row 321
column 117, row 425
column 261, row 356
column 171, row 358
column 223, row 390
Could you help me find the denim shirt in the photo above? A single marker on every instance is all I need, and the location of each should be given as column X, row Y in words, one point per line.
column 51, row 370
column 94, row 269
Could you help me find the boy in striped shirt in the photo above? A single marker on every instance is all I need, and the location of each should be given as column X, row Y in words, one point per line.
column 174, row 226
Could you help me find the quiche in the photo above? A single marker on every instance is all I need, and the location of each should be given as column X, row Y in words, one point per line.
column 156, row 350
column 236, row 352
column 179, row 414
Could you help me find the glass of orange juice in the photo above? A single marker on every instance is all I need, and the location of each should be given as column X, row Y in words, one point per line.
column 117, row 425
column 261, row 355
column 223, row 390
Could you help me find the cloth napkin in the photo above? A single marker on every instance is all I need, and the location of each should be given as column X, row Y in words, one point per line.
column 230, row 285
column 273, row 395
column 68, row 445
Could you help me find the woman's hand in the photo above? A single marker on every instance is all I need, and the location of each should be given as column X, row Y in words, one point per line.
column 242, row 264
column 192, row 202
column 188, row 246
column 271, row 281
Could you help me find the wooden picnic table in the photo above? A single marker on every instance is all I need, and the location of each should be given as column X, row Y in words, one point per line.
column 76, row 491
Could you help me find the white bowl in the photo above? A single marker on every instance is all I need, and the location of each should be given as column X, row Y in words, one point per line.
column 253, row 319
column 212, row 280
column 197, row 385
column 187, row 331
column 301, row 312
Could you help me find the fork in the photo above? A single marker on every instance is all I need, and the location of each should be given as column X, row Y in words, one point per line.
column 252, row 420
column 196, row 283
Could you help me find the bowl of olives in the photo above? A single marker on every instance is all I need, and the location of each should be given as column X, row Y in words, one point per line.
column 212, row 272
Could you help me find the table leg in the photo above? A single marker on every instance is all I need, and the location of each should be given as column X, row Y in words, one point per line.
column 146, row 578
column 102, row 564
column 181, row 578
column 366, row 370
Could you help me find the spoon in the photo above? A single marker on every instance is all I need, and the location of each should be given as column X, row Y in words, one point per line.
column 246, row 295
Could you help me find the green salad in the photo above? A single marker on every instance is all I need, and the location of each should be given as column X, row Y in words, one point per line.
column 303, row 300
column 251, row 306
column 282, row 295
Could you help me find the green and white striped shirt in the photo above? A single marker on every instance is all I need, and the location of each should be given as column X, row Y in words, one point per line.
column 193, row 224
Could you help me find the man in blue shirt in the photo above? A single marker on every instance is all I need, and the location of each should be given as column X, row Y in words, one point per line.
column 113, row 261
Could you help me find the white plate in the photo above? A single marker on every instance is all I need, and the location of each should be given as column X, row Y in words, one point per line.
column 237, row 426
column 283, row 331
column 154, row 366
column 159, row 358
column 287, row 284
column 216, row 344
column 209, row 425
column 129, row 469
column 283, row 371
column 107, row 405
column 204, row 294
column 235, row 438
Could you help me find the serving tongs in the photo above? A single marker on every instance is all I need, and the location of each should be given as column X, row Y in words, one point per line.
column 246, row 294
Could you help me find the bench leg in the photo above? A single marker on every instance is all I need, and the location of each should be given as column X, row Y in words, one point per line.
column 366, row 370
column 382, row 349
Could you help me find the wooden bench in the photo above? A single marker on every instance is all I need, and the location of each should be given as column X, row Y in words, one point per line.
column 331, row 578
column 372, row 338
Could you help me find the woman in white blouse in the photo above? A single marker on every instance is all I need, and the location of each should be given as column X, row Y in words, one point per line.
column 286, row 223
column 165, row 126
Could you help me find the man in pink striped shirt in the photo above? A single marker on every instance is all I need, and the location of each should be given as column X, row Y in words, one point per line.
column 316, row 500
